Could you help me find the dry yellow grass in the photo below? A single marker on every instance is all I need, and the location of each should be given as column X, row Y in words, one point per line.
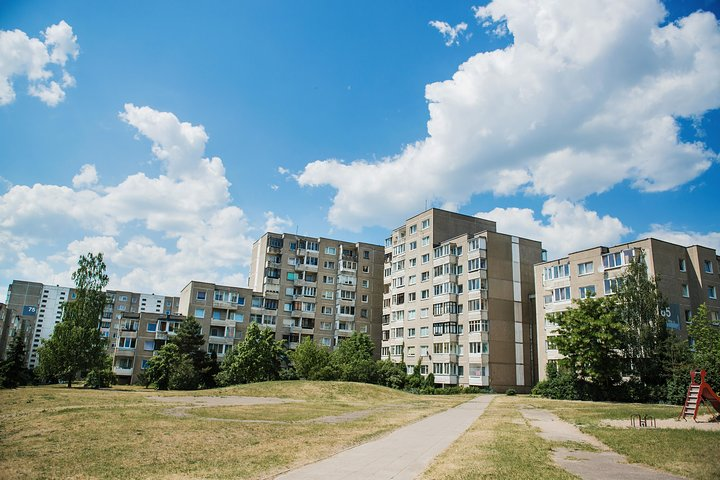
column 500, row 444
column 55, row 432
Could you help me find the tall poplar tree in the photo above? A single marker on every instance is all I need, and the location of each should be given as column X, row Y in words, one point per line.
column 76, row 346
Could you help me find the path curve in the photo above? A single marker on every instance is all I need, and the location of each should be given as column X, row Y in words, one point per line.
column 401, row 455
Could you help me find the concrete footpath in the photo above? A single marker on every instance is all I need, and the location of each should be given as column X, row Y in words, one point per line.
column 588, row 465
column 402, row 454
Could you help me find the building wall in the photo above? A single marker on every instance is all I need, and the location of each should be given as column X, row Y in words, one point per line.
column 443, row 268
column 24, row 300
column 682, row 280
column 320, row 288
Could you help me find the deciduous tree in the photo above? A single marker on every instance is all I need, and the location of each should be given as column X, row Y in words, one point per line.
column 76, row 346
column 259, row 357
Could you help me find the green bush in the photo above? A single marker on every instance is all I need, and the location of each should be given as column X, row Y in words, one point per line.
column 101, row 377
column 510, row 392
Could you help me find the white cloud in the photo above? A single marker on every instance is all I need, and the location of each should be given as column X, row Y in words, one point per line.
column 449, row 33
column 283, row 170
column 586, row 97
column 22, row 56
column 87, row 177
column 274, row 187
column 567, row 228
column 276, row 223
column 156, row 233
column 683, row 237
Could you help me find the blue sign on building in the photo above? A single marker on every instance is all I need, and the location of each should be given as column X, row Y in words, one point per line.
column 29, row 310
column 671, row 314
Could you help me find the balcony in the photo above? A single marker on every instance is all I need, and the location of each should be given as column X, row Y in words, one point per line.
column 306, row 267
column 225, row 305
column 446, row 379
column 478, row 381
column 216, row 322
column 124, row 352
column 122, row 372
column 274, row 250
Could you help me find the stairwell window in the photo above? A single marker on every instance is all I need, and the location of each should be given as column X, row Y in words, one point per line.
column 712, row 292
column 708, row 266
column 685, row 290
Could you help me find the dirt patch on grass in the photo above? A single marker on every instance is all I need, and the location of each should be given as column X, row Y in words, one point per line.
column 703, row 423
column 217, row 401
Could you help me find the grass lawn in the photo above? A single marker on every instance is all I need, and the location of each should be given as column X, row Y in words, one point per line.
column 689, row 453
column 56, row 432
column 500, row 444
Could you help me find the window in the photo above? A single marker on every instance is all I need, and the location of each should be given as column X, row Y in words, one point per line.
column 424, row 294
column 412, row 262
column 366, row 254
column 126, row 342
column 412, row 279
column 478, row 347
column 585, row 268
column 325, row 342
column 425, row 276
column 425, row 241
column 476, row 304
column 149, row 345
column 328, row 294
column 425, row 224
column 199, row 313
column 326, row 310
column 556, row 271
column 413, row 245
column 327, row 264
column 330, row 250
column 425, row 258
column 366, row 283
column 612, row 285
column 588, row 291
column 413, row 229
column 618, row 259
column 328, row 280
column 411, row 314
column 424, row 312
column 424, row 332
column 685, row 290
column 708, row 266
column 412, row 296
column 477, row 264
column 475, row 284
column 200, row 295
column 561, row 294
column 364, row 298
column 681, row 263
column 325, row 326
column 712, row 293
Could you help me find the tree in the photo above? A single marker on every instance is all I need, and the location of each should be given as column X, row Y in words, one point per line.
column 706, row 345
column 310, row 360
column 161, row 367
column 13, row 372
column 258, row 358
column 76, row 346
column 646, row 340
column 353, row 359
column 590, row 335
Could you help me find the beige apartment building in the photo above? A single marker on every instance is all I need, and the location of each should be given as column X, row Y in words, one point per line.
column 457, row 301
column 687, row 277
column 319, row 288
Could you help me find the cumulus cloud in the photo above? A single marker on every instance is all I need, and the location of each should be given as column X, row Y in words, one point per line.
column 32, row 58
column 276, row 223
column 567, row 227
column 156, row 233
column 587, row 96
column 87, row 177
column 683, row 237
column 449, row 33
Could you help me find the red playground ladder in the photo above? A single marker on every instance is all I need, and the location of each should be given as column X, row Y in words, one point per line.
column 697, row 393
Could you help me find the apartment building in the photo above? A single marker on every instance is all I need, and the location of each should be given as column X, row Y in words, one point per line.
column 39, row 307
column 222, row 311
column 687, row 277
column 140, row 336
column 9, row 327
column 320, row 288
column 457, row 301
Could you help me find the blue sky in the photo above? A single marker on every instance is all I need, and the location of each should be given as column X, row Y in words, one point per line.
column 176, row 133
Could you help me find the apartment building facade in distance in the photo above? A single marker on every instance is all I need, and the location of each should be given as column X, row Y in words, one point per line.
column 222, row 311
column 687, row 277
column 457, row 301
column 319, row 288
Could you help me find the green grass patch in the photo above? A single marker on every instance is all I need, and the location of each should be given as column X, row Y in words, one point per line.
column 500, row 444
column 689, row 453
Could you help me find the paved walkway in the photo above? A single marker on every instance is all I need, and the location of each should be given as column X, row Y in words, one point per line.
column 587, row 465
column 403, row 454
